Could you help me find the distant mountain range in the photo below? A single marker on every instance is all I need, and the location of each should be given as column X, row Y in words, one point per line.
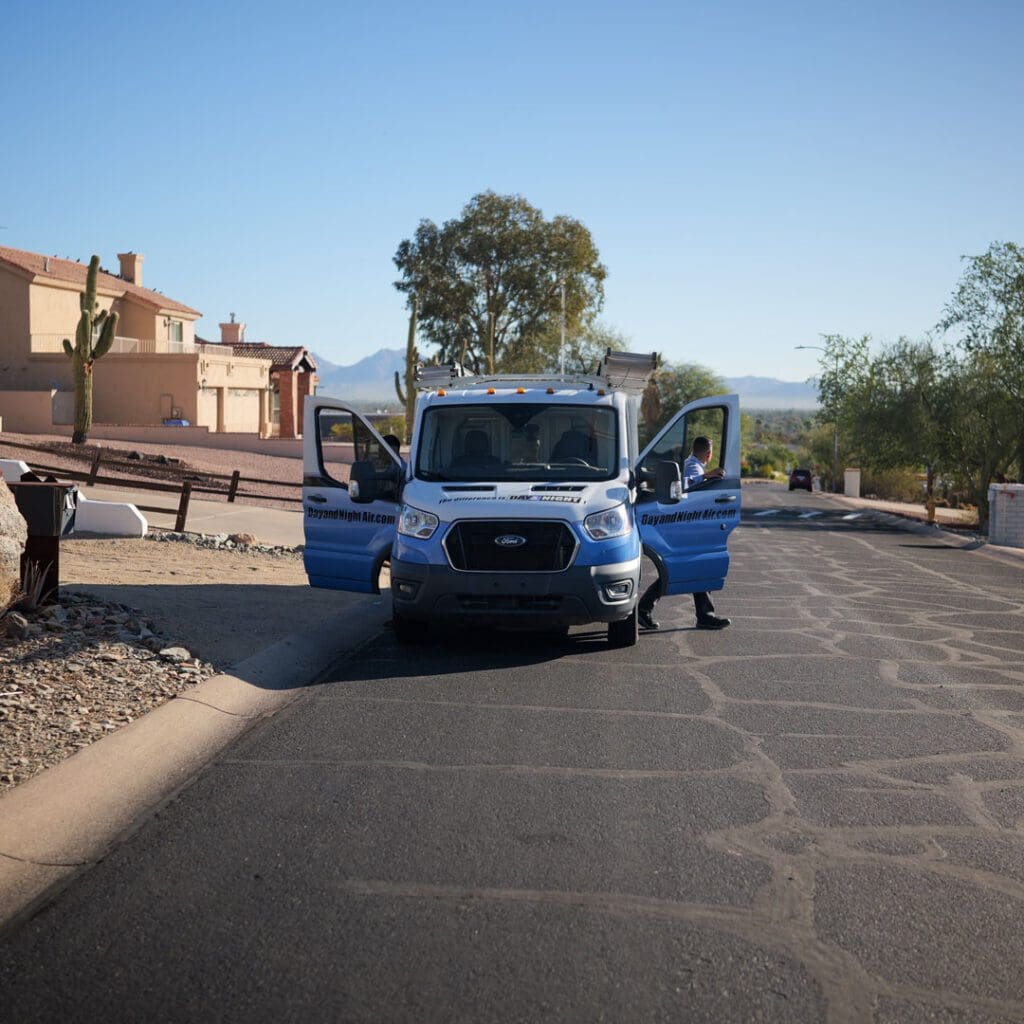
column 769, row 393
column 371, row 381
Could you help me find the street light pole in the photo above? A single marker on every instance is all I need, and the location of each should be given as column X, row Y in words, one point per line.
column 835, row 424
column 561, row 344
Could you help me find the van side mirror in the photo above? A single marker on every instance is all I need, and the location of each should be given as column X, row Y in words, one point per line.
column 668, row 484
column 362, row 482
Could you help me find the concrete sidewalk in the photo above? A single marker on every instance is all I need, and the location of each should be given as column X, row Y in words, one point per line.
column 275, row 526
column 946, row 517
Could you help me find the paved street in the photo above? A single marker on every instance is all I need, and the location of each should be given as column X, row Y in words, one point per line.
column 813, row 816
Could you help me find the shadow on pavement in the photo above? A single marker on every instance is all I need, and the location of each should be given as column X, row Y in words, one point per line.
column 449, row 650
column 225, row 623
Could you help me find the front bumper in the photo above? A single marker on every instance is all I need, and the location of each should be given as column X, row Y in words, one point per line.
column 530, row 600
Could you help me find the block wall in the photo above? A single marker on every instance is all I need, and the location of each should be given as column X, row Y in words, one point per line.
column 1006, row 515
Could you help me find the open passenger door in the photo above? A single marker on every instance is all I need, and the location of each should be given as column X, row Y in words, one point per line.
column 686, row 529
column 351, row 488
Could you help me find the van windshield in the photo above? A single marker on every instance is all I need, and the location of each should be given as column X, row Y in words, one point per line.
column 518, row 441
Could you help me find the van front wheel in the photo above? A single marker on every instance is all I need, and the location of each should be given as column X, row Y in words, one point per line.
column 623, row 633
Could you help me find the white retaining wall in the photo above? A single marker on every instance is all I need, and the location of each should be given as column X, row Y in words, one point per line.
column 1006, row 515
column 12, row 469
column 104, row 518
column 109, row 518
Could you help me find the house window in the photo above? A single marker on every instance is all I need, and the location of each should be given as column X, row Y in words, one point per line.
column 174, row 331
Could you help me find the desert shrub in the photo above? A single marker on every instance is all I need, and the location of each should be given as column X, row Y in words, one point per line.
column 392, row 425
column 342, row 430
column 892, row 484
column 762, row 460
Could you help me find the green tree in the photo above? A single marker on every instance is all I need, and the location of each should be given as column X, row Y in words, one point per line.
column 977, row 430
column 890, row 410
column 489, row 283
column 915, row 407
column 584, row 349
column 682, row 383
column 986, row 314
column 93, row 338
column 844, row 364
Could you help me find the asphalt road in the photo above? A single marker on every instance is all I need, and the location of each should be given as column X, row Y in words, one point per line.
column 813, row 816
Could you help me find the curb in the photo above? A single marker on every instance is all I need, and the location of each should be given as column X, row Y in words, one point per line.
column 973, row 542
column 72, row 814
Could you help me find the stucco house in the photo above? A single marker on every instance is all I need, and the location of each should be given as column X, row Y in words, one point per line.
column 292, row 375
column 155, row 370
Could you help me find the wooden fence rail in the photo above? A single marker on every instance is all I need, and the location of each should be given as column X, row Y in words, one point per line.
column 192, row 482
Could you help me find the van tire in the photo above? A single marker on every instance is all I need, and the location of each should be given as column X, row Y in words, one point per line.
column 408, row 631
column 625, row 632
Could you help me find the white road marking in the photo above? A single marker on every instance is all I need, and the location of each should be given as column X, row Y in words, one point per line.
column 809, row 515
column 768, row 512
column 852, row 515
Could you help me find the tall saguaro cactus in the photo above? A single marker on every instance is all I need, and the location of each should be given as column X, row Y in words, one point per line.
column 93, row 338
column 408, row 397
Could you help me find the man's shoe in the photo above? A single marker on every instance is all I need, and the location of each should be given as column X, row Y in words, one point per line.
column 645, row 619
column 711, row 622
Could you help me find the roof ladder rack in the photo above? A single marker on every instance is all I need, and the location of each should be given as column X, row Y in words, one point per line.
column 621, row 371
column 628, row 371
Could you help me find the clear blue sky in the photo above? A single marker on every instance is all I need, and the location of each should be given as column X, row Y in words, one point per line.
column 754, row 174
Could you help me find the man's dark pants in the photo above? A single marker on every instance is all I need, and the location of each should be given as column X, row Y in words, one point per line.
column 701, row 601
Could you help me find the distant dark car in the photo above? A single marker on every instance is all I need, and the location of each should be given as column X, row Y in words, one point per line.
column 800, row 478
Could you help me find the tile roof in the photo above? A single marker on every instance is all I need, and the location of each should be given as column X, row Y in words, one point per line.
column 282, row 357
column 69, row 270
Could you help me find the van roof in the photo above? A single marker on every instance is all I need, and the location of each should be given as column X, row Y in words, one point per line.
column 551, row 393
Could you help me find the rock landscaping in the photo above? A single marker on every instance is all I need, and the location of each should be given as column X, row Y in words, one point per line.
column 244, row 542
column 13, row 531
column 74, row 671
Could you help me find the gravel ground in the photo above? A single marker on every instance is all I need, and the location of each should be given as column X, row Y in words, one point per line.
column 77, row 670
column 94, row 665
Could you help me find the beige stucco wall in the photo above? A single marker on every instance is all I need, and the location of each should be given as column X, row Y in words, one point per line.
column 242, row 411
column 28, row 412
column 54, row 308
column 206, row 409
column 40, row 371
column 13, row 327
column 137, row 321
column 230, row 397
column 188, row 327
column 142, row 389
column 224, row 369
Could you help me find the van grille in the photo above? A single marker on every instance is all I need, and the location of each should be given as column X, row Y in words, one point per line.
column 471, row 546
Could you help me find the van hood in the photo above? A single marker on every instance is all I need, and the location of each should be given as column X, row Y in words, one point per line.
column 572, row 502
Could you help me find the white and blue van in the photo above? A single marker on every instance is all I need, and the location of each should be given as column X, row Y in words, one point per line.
column 523, row 502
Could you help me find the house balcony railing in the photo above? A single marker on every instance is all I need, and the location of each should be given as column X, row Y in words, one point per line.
column 45, row 343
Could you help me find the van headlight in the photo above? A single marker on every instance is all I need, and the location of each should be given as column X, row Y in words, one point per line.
column 414, row 523
column 613, row 522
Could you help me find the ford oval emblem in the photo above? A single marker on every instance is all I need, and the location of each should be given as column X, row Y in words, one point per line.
column 510, row 540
